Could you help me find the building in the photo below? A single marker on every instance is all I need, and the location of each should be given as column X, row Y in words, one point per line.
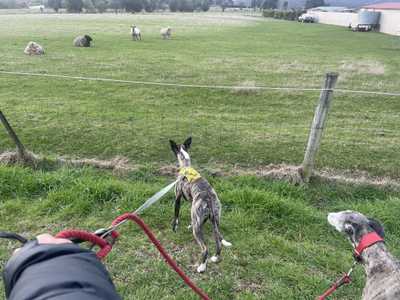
column 331, row 9
column 385, row 16
column 334, row 15
column 383, row 6
column 390, row 16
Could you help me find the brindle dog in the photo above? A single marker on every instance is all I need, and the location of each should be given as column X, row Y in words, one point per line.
column 205, row 203
column 381, row 267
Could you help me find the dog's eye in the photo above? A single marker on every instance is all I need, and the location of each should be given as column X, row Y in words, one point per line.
column 348, row 228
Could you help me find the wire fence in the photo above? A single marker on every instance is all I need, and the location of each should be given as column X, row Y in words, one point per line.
column 183, row 85
column 252, row 128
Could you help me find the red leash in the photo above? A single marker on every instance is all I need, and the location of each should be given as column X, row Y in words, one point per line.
column 345, row 279
column 106, row 247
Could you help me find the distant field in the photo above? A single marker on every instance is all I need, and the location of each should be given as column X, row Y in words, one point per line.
column 97, row 119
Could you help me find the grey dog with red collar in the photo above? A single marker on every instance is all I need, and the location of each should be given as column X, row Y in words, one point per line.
column 381, row 267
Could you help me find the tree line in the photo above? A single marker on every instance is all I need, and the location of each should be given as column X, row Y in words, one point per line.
column 273, row 4
column 92, row 6
column 76, row 6
column 12, row 4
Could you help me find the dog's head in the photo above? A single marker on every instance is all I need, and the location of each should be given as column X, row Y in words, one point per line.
column 88, row 38
column 181, row 151
column 354, row 224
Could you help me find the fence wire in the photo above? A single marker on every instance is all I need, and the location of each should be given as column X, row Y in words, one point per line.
column 183, row 85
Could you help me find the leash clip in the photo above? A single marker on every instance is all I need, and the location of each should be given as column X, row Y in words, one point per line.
column 108, row 234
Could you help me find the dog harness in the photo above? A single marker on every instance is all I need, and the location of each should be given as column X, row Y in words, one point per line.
column 190, row 174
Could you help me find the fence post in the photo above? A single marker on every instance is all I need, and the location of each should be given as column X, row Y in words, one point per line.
column 13, row 136
column 317, row 127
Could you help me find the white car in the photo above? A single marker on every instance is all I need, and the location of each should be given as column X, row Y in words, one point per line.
column 306, row 18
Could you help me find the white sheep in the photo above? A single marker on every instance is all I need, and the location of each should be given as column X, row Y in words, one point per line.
column 34, row 49
column 135, row 32
column 166, row 33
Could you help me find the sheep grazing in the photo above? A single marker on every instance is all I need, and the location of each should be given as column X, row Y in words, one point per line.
column 82, row 41
column 166, row 33
column 135, row 32
column 34, row 49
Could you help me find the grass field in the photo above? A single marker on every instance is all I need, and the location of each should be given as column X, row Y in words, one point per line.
column 97, row 119
column 283, row 246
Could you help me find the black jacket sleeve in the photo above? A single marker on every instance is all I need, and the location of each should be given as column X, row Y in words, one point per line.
column 62, row 272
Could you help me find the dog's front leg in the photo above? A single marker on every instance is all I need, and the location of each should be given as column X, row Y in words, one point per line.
column 175, row 221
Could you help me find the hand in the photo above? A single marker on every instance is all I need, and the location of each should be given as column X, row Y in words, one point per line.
column 49, row 239
column 46, row 238
column 174, row 224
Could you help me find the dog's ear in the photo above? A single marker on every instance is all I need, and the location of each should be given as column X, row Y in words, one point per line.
column 174, row 147
column 377, row 227
column 187, row 143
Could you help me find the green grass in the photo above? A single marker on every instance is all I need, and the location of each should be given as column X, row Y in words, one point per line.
column 283, row 245
column 98, row 119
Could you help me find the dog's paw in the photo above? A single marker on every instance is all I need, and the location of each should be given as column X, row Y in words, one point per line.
column 226, row 243
column 215, row 259
column 202, row 268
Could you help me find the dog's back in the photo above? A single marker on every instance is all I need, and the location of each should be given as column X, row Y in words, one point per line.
column 201, row 193
column 383, row 278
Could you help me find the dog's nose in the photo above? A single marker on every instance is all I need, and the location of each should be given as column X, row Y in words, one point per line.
column 331, row 218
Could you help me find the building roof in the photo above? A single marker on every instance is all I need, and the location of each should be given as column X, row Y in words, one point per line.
column 331, row 9
column 386, row 5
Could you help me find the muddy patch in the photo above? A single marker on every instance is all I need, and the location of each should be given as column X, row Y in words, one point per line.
column 119, row 164
column 11, row 158
column 282, row 172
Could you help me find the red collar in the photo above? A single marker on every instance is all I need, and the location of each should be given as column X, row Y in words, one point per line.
column 367, row 240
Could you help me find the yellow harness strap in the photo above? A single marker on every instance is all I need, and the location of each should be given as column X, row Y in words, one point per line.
column 190, row 173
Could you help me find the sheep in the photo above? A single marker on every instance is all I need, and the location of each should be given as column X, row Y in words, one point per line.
column 34, row 48
column 135, row 32
column 82, row 41
column 166, row 33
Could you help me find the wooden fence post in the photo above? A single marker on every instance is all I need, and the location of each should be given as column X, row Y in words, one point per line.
column 317, row 127
column 13, row 136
